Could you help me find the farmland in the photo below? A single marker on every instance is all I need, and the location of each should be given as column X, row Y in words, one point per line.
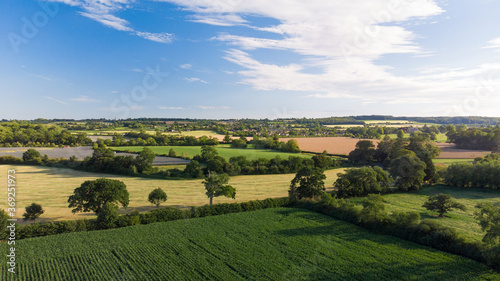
column 51, row 188
column 223, row 150
column 272, row 244
column 462, row 221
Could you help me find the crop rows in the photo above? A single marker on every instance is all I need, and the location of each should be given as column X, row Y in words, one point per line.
column 272, row 244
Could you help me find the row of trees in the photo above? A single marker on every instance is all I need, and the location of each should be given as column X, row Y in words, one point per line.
column 479, row 175
column 27, row 134
column 476, row 138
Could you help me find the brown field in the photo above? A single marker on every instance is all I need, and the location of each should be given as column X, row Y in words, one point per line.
column 333, row 145
column 51, row 188
column 448, row 151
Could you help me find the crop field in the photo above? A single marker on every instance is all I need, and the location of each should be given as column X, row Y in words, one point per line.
column 450, row 152
column 333, row 145
column 440, row 137
column 273, row 244
column 447, row 162
column 51, row 188
column 462, row 221
column 223, row 150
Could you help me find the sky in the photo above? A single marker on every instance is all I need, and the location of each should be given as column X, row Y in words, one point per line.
column 227, row 59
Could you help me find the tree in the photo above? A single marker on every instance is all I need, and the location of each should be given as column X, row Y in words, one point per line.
column 488, row 218
column 216, row 185
column 308, row 183
column 193, row 170
column 3, row 219
column 208, row 152
column 157, row 196
column 362, row 181
column 32, row 155
column 94, row 194
column 442, row 203
column 33, row 211
column 363, row 153
column 292, row 146
column 322, row 161
column 108, row 216
column 401, row 134
column 373, row 209
column 408, row 171
column 227, row 138
column 172, row 153
column 238, row 143
column 144, row 161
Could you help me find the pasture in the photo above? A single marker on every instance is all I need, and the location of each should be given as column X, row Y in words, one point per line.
column 223, row 150
column 462, row 221
column 51, row 188
column 273, row 244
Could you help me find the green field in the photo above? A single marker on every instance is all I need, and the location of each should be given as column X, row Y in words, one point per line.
column 451, row 161
column 440, row 137
column 463, row 222
column 223, row 150
column 273, row 244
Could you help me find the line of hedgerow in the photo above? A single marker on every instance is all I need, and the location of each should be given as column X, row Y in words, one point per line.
column 425, row 232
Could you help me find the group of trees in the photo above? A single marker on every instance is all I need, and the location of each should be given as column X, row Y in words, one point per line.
column 142, row 138
column 103, row 160
column 479, row 175
column 274, row 143
column 475, row 138
column 27, row 134
column 409, row 161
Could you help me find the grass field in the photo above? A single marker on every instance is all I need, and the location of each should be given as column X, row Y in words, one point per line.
column 273, row 244
column 51, row 188
column 448, row 162
column 462, row 221
column 223, row 150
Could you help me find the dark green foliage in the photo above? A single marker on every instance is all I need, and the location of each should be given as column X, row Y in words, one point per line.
column 308, row 183
column 107, row 216
column 144, row 160
column 157, row 196
column 484, row 174
column 32, row 155
column 405, row 219
column 362, row 181
column 373, row 210
column 238, row 143
column 363, row 154
column 442, row 203
column 216, row 185
column 93, row 195
column 3, row 219
column 193, row 170
column 488, row 217
column 476, row 138
column 408, row 172
column 33, row 211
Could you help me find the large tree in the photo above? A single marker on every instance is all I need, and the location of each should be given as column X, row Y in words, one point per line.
column 32, row 155
column 93, row 194
column 362, row 181
column 408, row 171
column 363, row 153
column 144, row 161
column 216, row 185
column 442, row 203
column 488, row 218
column 308, row 183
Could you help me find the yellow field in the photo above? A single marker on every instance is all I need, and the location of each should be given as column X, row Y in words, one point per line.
column 51, row 188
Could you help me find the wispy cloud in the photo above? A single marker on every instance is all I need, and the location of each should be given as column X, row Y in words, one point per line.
column 186, row 66
column 137, row 70
column 493, row 44
column 56, row 100
column 170, row 108
column 85, row 99
column 212, row 107
column 102, row 12
column 195, row 79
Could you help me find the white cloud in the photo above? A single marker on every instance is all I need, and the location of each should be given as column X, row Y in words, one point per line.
column 137, row 70
column 85, row 99
column 102, row 11
column 186, row 66
column 171, row 108
column 212, row 107
column 493, row 44
column 195, row 79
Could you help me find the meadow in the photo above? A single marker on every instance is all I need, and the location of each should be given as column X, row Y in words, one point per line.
column 462, row 221
column 223, row 150
column 273, row 244
column 51, row 188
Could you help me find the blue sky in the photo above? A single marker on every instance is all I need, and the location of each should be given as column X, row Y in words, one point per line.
column 248, row 59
